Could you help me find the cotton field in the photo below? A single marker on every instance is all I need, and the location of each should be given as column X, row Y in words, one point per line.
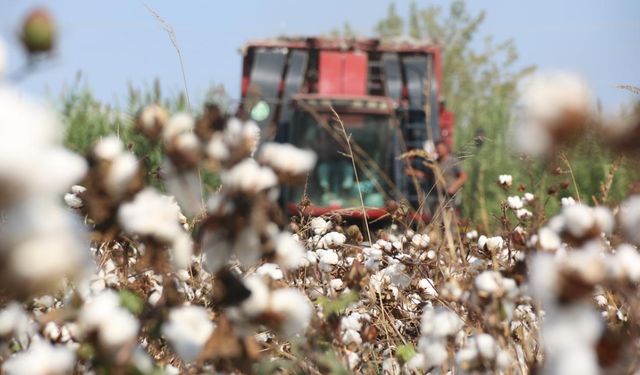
column 103, row 272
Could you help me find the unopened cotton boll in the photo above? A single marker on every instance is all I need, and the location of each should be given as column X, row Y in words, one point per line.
column 294, row 308
column 187, row 329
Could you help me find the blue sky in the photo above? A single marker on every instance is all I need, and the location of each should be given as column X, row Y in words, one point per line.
column 114, row 42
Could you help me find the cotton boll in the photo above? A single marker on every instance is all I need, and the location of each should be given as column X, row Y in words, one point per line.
column 258, row 301
column 187, row 329
column 217, row 149
column 628, row 260
column 327, row 260
column 270, row 270
column 151, row 120
column 351, row 336
column 181, row 251
column 287, row 159
column 289, row 252
column 41, row 358
column 434, row 351
column 486, row 346
column 472, row 235
column 579, row 219
column 179, row 123
column 97, row 309
column 567, row 201
column 440, row 322
column 505, row 180
column 108, row 148
column 320, row 226
column 629, row 217
column 604, row 219
column 248, row 177
column 494, row 244
column 488, row 283
column 523, row 213
column 515, row 203
column 151, row 214
column 118, row 329
column 332, row 240
column 123, row 169
column 45, row 240
column 295, row 309
column 548, row 240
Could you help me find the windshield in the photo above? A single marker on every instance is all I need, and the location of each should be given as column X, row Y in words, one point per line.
column 332, row 183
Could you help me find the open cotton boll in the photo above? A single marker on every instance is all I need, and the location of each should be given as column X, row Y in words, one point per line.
column 97, row 309
column 248, row 177
column 41, row 358
column 332, row 240
column 439, row 322
column 179, row 123
column 630, row 218
column 122, row 170
column 151, row 214
column 505, row 180
column 181, row 251
column 548, row 240
column 108, row 148
column 187, row 329
column 151, row 120
column 258, row 301
column 270, row 270
column 14, row 321
column 286, row 158
column 294, row 308
column 289, row 252
column 327, row 260
column 217, row 149
column 627, row 259
column 579, row 219
column 420, row 241
column 320, row 226
column 434, row 351
column 46, row 242
column 217, row 250
column 515, row 203
column 118, row 328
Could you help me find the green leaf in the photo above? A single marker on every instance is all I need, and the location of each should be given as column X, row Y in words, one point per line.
column 131, row 301
column 338, row 305
column 405, row 352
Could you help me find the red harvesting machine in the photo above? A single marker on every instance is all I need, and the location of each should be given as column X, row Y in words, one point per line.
column 388, row 96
